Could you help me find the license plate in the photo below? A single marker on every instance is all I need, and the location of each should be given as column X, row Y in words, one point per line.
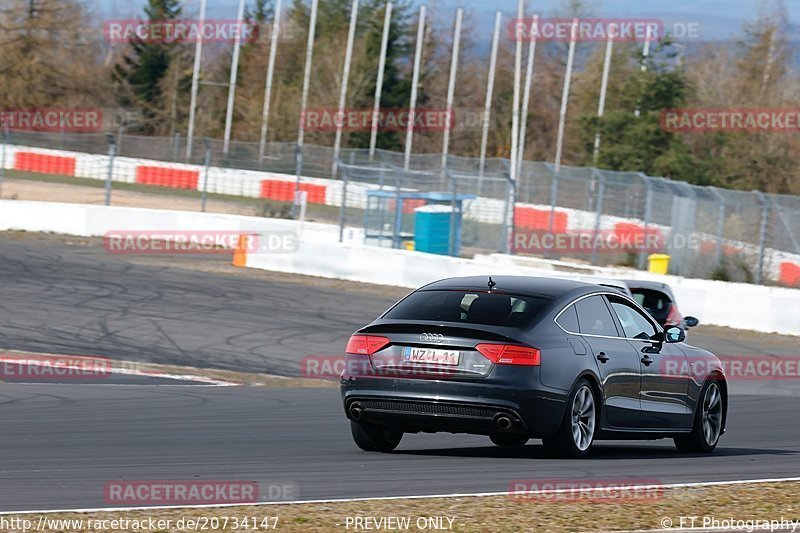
column 431, row 355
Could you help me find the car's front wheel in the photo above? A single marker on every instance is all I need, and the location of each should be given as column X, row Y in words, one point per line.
column 576, row 434
column 372, row 438
column 707, row 426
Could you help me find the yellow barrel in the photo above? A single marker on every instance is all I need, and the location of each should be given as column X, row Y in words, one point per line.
column 658, row 263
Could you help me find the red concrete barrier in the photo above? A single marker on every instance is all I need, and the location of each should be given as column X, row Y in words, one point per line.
column 539, row 219
column 45, row 164
column 167, row 177
column 627, row 232
column 790, row 274
column 283, row 191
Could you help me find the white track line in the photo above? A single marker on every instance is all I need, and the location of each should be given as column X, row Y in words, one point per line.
column 391, row 498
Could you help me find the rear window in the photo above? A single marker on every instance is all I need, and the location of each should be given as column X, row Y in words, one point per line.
column 655, row 302
column 490, row 309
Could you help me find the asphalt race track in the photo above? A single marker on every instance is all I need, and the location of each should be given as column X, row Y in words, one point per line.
column 62, row 442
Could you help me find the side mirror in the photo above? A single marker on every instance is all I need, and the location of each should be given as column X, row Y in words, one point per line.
column 690, row 321
column 674, row 334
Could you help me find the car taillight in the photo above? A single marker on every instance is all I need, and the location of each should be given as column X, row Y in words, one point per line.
column 510, row 354
column 365, row 344
column 674, row 317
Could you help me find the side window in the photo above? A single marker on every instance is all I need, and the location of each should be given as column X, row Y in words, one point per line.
column 569, row 320
column 594, row 317
column 634, row 324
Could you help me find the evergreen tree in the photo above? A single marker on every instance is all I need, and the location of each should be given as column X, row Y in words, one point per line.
column 143, row 72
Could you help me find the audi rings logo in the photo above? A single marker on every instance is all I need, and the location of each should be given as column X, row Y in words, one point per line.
column 437, row 338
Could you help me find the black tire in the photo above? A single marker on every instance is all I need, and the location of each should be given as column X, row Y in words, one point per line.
column 707, row 426
column 508, row 440
column 374, row 438
column 563, row 443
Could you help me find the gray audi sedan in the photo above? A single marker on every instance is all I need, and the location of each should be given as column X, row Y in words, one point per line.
column 517, row 358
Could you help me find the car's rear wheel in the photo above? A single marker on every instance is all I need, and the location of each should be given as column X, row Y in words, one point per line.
column 372, row 438
column 707, row 426
column 510, row 441
column 576, row 434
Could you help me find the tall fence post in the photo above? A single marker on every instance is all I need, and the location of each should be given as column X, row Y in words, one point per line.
column 553, row 199
column 176, row 146
column 112, row 152
column 508, row 214
column 343, row 206
column 599, row 213
column 720, row 225
column 648, row 209
column 206, row 165
column 762, row 235
column 451, row 238
column 6, row 141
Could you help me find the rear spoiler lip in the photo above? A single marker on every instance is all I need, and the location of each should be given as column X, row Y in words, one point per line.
column 485, row 332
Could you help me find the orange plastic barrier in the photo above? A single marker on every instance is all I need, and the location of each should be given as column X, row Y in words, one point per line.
column 167, row 177
column 283, row 191
column 45, row 164
column 539, row 219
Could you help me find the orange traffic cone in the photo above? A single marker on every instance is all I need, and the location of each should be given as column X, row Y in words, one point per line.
column 240, row 252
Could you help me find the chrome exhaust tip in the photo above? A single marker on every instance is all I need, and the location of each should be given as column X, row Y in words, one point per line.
column 503, row 422
column 356, row 412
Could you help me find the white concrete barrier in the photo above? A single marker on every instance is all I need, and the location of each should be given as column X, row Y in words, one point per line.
column 736, row 305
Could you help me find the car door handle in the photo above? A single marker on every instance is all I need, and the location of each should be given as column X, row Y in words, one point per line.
column 602, row 357
column 646, row 361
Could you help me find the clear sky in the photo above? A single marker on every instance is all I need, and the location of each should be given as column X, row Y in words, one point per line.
column 718, row 19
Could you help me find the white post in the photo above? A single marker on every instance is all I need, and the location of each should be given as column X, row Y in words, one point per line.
column 351, row 34
column 198, row 55
column 511, row 187
column 312, row 28
column 645, row 54
column 562, row 117
column 232, row 84
column 412, row 108
column 373, row 139
column 451, row 87
column 526, row 98
column 517, row 80
column 273, row 49
column 601, row 106
column 487, row 106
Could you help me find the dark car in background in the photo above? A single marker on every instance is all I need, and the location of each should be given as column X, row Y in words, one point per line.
column 516, row 358
column 658, row 300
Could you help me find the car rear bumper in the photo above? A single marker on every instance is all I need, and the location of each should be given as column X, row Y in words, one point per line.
column 452, row 406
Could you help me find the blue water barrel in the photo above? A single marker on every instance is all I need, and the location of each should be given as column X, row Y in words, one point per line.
column 432, row 229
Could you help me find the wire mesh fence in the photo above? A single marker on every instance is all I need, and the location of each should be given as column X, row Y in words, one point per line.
column 465, row 206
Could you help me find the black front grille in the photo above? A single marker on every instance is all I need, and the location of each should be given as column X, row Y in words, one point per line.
column 428, row 408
